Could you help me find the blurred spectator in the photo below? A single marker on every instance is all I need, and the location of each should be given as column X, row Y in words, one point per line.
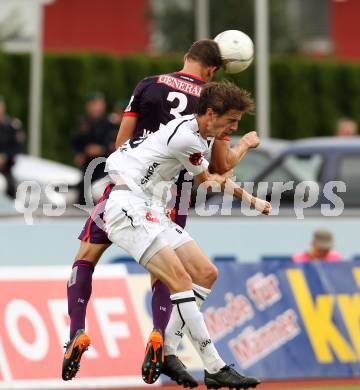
column 94, row 138
column 321, row 249
column 346, row 127
column 10, row 145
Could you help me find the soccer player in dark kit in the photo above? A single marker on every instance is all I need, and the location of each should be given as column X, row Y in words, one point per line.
column 156, row 100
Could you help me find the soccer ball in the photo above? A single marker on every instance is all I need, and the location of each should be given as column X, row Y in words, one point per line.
column 237, row 50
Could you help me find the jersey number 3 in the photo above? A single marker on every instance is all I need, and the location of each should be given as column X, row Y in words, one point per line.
column 176, row 112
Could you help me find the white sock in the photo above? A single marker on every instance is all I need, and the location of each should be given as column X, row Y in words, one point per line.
column 174, row 332
column 186, row 313
column 201, row 293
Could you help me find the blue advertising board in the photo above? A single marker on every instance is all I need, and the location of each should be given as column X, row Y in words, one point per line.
column 276, row 320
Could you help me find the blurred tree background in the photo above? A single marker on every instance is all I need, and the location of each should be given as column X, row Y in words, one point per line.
column 307, row 96
column 174, row 22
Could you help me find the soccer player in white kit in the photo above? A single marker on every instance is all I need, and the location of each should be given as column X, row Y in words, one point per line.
column 135, row 217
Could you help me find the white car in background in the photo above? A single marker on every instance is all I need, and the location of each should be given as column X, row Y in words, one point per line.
column 56, row 182
column 257, row 159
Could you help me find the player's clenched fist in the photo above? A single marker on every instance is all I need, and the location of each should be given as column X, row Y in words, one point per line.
column 267, row 208
column 263, row 206
column 251, row 139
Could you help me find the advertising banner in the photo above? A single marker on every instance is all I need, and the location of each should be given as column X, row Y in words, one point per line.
column 273, row 320
column 34, row 327
column 276, row 320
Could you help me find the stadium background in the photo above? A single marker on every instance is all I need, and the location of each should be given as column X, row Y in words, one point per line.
column 313, row 310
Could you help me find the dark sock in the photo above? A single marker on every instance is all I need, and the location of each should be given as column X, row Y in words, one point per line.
column 79, row 292
column 161, row 305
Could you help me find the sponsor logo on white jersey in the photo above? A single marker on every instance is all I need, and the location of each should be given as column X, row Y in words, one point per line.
column 150, row 172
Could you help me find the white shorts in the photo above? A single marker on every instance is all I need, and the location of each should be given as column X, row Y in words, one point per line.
column 133, row 223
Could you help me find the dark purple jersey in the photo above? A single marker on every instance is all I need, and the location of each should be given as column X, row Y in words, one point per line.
column 159, row 99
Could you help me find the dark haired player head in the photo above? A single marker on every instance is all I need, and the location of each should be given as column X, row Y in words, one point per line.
column 203, row 58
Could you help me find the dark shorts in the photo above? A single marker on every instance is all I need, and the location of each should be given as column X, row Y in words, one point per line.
column 93, row 230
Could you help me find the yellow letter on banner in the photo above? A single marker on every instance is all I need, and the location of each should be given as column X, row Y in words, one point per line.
column 317, row 317
column 356, row 273
column 350, row 310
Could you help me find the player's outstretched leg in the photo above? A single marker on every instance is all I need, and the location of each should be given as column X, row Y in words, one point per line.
column 230, row 378
column 205, row 273
column 171, row 365
column 154, row 355
column 217, row 373
column 153, row 363
column 161, row 305
column 78, row 291
column 73, row 352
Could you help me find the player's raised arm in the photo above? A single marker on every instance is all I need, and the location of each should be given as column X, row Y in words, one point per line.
column 126, row 130
column 224, row 158
column 228, row 186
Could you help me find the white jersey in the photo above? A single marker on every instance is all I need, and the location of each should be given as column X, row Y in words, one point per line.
column 153, row 164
